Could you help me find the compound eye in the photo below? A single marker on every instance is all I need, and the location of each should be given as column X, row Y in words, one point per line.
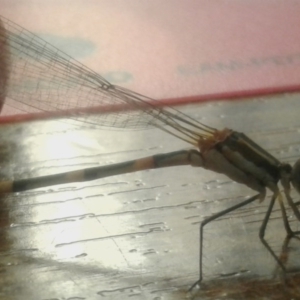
column 296, row 176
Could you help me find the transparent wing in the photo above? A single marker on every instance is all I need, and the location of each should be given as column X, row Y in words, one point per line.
column 42, row 78
column 36, row 76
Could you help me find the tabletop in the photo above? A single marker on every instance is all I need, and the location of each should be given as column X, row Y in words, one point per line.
column 136, row 236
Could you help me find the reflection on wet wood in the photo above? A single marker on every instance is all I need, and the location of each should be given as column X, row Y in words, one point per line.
column 135, row 236
column 246, row 289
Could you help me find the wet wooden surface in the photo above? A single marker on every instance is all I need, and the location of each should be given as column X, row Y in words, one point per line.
column 135, row 236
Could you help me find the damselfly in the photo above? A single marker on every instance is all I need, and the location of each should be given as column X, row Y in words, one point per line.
column 39, row 77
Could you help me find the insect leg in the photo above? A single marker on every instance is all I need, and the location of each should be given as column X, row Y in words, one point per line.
column 210, row 219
